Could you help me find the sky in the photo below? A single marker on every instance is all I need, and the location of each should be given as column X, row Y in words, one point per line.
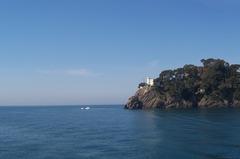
column 70, row 52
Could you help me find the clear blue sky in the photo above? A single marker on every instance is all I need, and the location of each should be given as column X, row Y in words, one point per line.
column 97, row 51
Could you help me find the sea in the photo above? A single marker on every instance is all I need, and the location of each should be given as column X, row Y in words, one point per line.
column 111, row 132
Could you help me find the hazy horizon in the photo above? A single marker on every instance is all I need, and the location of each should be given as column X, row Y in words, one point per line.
column 61, row 52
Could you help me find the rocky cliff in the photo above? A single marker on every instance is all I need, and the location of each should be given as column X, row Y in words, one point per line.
column 215, row 84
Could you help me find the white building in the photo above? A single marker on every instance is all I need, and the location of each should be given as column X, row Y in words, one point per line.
column 150, row 81
column 238, row 70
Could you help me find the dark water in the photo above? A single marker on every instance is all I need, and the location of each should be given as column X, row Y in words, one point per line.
column 112, row 132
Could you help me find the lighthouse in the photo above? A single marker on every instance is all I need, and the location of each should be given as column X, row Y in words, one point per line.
column 150, row 81
column 238, row 70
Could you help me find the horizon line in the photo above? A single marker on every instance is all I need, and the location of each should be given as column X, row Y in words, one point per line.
column 59, row 105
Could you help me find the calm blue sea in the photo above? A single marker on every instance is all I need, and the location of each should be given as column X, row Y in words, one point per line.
column 103, row 132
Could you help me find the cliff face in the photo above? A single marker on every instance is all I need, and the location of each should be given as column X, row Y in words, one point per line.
column 215, row 84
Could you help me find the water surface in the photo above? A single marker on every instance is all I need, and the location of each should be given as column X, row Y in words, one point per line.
column 111, row 132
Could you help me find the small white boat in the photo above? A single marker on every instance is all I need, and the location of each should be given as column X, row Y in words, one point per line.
column 82, row 108
column 87, row 108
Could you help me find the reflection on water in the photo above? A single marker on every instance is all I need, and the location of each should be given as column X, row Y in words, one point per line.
column 112, row 132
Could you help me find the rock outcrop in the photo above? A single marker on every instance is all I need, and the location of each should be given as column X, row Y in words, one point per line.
column 215, row 84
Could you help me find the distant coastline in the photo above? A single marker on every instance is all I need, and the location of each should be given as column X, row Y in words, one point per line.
column 215, row 84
